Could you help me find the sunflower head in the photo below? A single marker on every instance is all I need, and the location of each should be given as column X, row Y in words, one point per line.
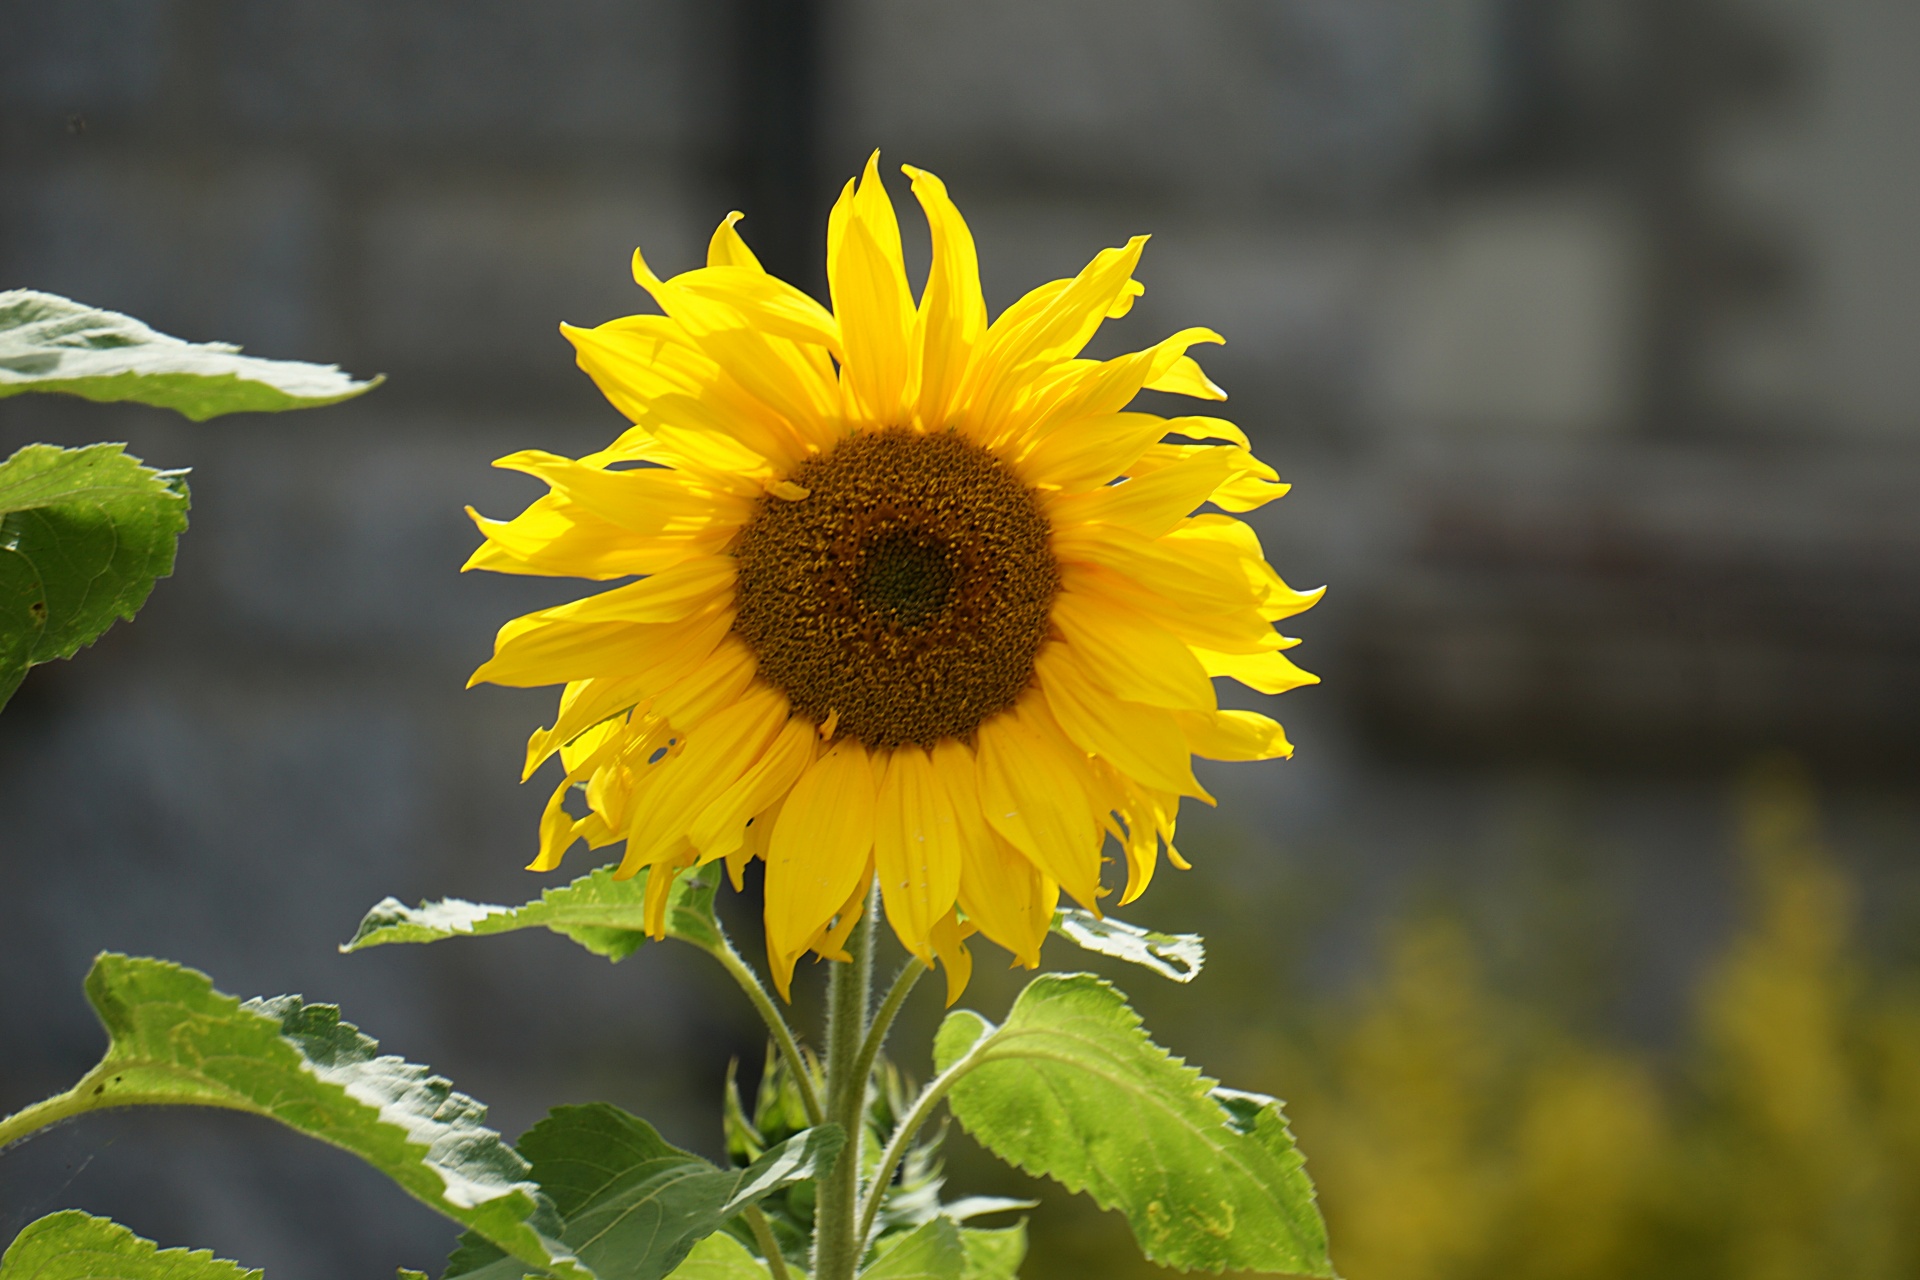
column 914, row 597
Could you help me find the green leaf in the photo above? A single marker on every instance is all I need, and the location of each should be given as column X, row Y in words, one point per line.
column 994, row 1255
column 632, row 1203
column 83, row 535
column 175, row 1040
column 721, row 1257
column 929, row 1252
column 71, row 1245
column 50, row 343
column 1071, row 1087
column 604, row 915
column 1171, row 955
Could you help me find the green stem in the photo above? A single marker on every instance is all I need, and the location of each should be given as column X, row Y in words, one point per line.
column 769, row 1247
column 917, row 1116
column 896, row 996
column 836, row 1252
column 30, row 1120
column 769, row 1012
column 95, row 1092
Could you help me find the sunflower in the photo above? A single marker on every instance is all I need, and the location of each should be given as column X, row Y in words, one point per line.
column 915, row 596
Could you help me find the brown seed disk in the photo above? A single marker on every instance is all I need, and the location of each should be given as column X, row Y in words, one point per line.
column 908, row 591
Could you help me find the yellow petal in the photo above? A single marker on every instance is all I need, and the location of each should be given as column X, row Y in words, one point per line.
column 1131, row 655
column 949, row 938
column 831, row 942
column 656, row 500
column 720, row 678
column 583, row 704
column 1264, row 672
column 952, row 314
column 793, row 379
column 668, row 596
column 1089, row 453
column 1033, row 790
column 727, row 249
column 821, row 847
column 1201, row 623
column 1208, row 534
column 1183, row 378
column 916, row 848
column 1142, row 742
column 875, row 310
column 557, row 538
column 1196, row 427
column 712, row 759
column 1106, row 387
column 721, row 829
column 1051, row 324
column 1185, row 574
column 1149, row 505
column 557, row 827
column 1234, row 735
column 528, row 653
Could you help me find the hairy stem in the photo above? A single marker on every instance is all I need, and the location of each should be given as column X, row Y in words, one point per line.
column 896, row 996
column 769, row 1012
column 897, row 1146
column 836, row 1250
column 769, row 1247
column 95, row 1092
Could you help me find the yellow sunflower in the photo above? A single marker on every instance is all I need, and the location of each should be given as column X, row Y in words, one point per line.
column 916, row 597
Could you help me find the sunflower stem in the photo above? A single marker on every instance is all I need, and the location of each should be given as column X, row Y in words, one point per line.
column 883, row 1017
column 897, row 1146
column 769, row 1245
column 756, row 992
column 836, row 1251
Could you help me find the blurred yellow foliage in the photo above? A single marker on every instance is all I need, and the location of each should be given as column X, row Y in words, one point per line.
column 1456, row 1134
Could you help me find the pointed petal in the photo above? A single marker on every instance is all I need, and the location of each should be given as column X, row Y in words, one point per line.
column 821, row 847
column 952, row 314
column 1033, row 790
column 1142, row 742
column 916, row 849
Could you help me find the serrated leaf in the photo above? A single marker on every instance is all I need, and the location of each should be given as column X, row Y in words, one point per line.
column 929, row 1252
column 994, row 1255
column 71, row 1245
column 1171, row 955
column 632, row 1203
column 604, row 915
column 50, row 343
column 174, row 1039
column 84, row 533
column 1071, row 1087
column 720, row 1257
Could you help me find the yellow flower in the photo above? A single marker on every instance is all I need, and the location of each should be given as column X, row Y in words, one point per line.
column 916, row 597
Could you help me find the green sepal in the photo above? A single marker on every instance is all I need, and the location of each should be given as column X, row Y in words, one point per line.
column 1071, row 1087
column 50, row 343
column 721, row 1257
column 929, row 1252
column 71, row 1245
column 84, row 534
column 174, row 1040
column 632, row 1204
column 602, row 914
column 1178, row 956
column 994, row 1254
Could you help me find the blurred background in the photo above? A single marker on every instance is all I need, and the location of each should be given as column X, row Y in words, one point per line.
column 1583, row 934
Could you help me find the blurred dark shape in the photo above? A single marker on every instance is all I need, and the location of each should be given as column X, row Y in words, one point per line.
column 778, row 105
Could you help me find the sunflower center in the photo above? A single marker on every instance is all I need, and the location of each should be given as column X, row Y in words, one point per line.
column 908, row 591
